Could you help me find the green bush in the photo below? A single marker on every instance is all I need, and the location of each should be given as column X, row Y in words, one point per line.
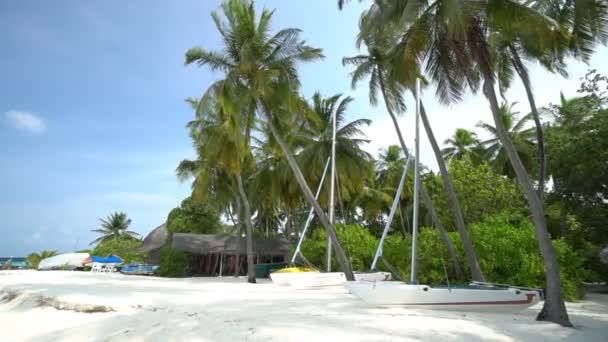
column 125, row 247
column 173, row 263
column 505, row 244
column 194, row 217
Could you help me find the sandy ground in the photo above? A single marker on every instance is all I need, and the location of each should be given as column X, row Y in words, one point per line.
column 43, row 306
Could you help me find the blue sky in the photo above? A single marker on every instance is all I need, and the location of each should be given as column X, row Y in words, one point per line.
column 92, row 108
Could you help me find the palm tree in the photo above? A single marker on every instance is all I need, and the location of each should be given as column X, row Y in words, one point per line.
column 452, row 41
column 115, row 225
column 315, row 139
column 261, row 71
column 34, row 259
column 390, row 80
column 463, row 142
column 523, row 138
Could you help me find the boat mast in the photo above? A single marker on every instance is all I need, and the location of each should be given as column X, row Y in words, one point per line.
column 310, row 215
column 392, row 213
column 331, row 186
column 413, row 279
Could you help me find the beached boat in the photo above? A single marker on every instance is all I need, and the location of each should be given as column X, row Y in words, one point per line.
column 473, row 297
column 477, row 296
column 307, row 277
column 68, row 261
column 139, row 269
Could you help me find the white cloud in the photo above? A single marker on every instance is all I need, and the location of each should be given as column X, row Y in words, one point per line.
column 26, row 121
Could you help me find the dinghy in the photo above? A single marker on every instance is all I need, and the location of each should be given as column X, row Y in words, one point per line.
column 477, row 296
column 68, row 261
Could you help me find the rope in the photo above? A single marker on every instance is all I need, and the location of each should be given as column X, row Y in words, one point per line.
column 391, row 268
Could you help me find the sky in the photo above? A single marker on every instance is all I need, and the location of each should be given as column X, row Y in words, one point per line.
column 92, row 111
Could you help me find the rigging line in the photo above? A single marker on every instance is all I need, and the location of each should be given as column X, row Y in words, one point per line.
column 310, row 215
column 392, row 213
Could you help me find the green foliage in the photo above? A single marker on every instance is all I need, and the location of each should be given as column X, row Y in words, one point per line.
column 194, row 217
column 482, row 193
column 359, row 245
column 125, row 247
column 114, row 226
column 506, row 246
column 173, row 263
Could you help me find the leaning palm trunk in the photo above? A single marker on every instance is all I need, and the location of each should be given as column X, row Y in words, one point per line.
column 248, row 225
column 467, row 244
column 425, row 196
column 342, row 259
column 554, row 309
column 239, row 230
column 540, row 140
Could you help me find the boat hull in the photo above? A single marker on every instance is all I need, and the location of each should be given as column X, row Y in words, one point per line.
column 427, row 297
column 316, row 279
column 68, row 261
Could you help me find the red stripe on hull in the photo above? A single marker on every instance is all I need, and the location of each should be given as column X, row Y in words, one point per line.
column 528, row 300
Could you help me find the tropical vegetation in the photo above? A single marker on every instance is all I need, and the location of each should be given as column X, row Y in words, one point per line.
column 116, row 225
column 261, row 145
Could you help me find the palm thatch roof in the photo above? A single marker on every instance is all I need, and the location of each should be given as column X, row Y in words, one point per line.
column 156, row 239
column 228, row 244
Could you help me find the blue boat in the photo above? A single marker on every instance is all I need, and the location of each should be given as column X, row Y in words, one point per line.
column 139, row 269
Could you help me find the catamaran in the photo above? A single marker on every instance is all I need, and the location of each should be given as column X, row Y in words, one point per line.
column 476, row 296
column 307, row 277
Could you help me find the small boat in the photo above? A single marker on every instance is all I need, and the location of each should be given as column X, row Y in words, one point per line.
column 316, row 279
column 68, row 261
column 476, row 296
column 139, row 269
column 473, row 297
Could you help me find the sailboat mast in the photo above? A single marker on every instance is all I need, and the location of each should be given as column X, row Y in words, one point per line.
column 413, row 279
column 332, row 180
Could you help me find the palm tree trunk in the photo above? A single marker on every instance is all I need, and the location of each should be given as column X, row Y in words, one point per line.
column 249, row 227
column 425, row 196
column 342, row 259
column 239, row 231
column 554, row 309
column 467, row 244
column 540, row 137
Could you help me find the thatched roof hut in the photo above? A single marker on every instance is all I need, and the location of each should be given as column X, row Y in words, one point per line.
column 228, row 244
column 154, row 242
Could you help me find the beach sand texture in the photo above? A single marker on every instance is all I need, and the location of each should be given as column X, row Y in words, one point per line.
column 82, row 306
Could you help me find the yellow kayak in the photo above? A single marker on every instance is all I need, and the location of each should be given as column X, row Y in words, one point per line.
column 295, row 269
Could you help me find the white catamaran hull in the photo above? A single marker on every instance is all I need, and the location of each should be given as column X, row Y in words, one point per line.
column 426, row 297
column 303, row 280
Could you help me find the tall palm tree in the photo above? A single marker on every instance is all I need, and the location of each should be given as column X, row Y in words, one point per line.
column 115, row 225
column 390, row 80
column 523, row 137
column 261, row 69
column 452, row 40
column 463, row 142
column 34, row 259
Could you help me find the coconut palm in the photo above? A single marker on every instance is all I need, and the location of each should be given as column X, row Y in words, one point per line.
column 315, row 139
column 522, row 135
column 34, row 259
column 452, row 40
column 261, row 68
column 115, row 225
column 463, row 142
column 390, row 79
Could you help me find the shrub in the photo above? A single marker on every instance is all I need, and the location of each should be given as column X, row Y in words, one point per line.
column 506, row 248
column 125, row 247
column 173, row 263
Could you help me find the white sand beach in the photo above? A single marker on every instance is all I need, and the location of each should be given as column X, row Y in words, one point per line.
column 46, row 306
